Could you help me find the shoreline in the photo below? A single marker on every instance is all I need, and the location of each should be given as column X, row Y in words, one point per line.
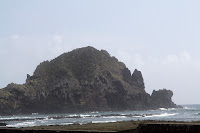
column 146, row 126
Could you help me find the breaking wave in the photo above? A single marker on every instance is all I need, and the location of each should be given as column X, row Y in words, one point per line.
column 182, row 114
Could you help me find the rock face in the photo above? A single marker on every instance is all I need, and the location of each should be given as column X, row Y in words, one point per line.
column 137, row 77
column 84, row 79
column 162, row 98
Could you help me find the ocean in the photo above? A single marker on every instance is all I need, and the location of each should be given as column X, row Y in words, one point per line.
column 187, row 113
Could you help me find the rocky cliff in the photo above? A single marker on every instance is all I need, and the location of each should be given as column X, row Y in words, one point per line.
column 84, row 79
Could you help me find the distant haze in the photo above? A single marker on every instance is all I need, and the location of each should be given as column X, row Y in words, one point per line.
column 159, row 38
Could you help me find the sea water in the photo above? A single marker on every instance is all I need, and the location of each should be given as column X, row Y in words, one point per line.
column 187, row 113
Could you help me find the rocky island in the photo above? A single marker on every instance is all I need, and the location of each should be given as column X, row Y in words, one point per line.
column 85, row 79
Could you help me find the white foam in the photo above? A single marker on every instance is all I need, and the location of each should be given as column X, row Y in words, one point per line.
column 162, row 108
column 114, row 116
column 188, row 108
column 165, row 114
column 16, row 117
column 66, row 123
column 83, row 116
column 162, row 115
column 11, row 118
column 171, row 108
column 102, row 121
column 74, row 115
column 23, row 124
column 8, row 118
column 166, row 108
column 48, row 118
column 94, row 112
column 137, row 116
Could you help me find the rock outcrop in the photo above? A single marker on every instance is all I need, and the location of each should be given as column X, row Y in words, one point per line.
column 163, row 98
column 137, row 77
column 84, row 79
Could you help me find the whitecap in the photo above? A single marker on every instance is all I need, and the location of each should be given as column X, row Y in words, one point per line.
column 114, row 116
column 102, row 121
column 187, row 108
column 94, row 112
column 23, row 124
column 162, row 108
column 66, row 123
column 74, row 115
column 136, row 116
column 162, row 115
column 197, row 113
column 84, row 116
column 165, row 114
column 171, row 108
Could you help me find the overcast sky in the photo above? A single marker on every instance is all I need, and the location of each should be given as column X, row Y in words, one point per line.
column 160, row 38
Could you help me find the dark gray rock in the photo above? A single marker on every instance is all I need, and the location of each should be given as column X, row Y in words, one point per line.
column 162, row 98
column 137, row 77
column 84, row 79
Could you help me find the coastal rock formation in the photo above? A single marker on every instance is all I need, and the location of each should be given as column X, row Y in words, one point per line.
column 137, row 77
column 84, row 79
column 163, row 98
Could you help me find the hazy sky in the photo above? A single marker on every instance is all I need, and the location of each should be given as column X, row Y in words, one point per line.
column 160, row 38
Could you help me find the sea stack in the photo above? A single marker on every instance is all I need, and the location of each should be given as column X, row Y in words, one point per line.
column 85, row 79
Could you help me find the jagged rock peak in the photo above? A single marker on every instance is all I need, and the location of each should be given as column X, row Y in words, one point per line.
column 137, row 77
